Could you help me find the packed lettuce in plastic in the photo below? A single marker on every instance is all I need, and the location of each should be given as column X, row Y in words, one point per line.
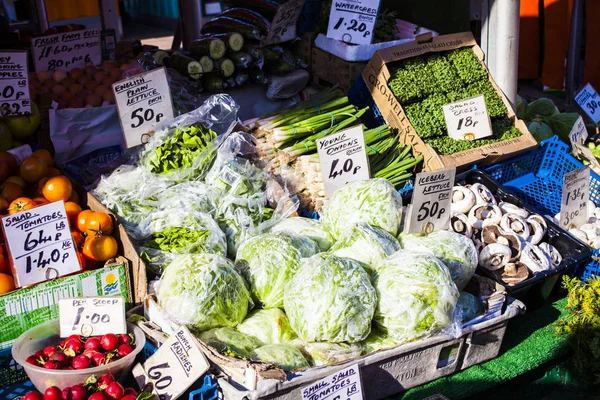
column 195, row 195
column 203, row 291
column 268, row 262
column 416, row 295
column 284, row 356
column 230, row 342
column 365, row 243
column 374, row 201
column 307, row 227
column 268, row 326
column 456, row 251
column 324, row 353
column 468, row 307
column 377, row 340
column 330, row 299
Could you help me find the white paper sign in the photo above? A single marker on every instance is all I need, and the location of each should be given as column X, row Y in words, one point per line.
column 14, row 84
column 353, row 21
column 40, row 244
column 579, row 132
column 468, row 119
column 91, row 316
column 283, row 27
column 175, row 366
column 343, row 158
column 343, row 385
column 431, row 201
column 143, row 101
column 589, row 101
column 65, row 51
column 575, row 194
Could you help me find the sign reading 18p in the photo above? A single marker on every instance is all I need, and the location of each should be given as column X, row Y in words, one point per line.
column 353, row 21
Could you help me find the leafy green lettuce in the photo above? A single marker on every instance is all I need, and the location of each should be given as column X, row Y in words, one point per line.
column 323, row 353
column 284, row 356
column 269, row 326
column 307, row 227
column 230, row 342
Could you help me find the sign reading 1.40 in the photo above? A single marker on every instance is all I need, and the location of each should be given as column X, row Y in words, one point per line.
column 14, row 85
column 353, row 21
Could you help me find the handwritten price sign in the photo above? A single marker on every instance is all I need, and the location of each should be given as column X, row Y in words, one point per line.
column 575, row 194
column 353, row 21
column 468, row 119
column 89, row 316
column 343, row 385
column 589, row 101
column 40, row 244
column 283, row 27
column 14, row 84
column 65, row 51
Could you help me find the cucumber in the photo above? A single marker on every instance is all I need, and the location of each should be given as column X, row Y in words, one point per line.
column 225, row 67
column 241, row 59
column 227, row 24
column 208, row 46
column 159, row 56
column 212, row 82
column 234, row 40
column 268, row 8
column 186, row 66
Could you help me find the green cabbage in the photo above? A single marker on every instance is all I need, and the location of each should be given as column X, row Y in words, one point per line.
column 269, row 326
column 562, row 124
column 307, row 227
column 366, row 244
column 374, row 201
column 468, row 307
column 456, row 251
column 377, row 340
column 323, row 353
column 203, row 291
column 539, row 130
column 268, row 261
column 230, row 342
column 541, row 108
column 330, row 299
column 284, row 356
column 521, row 106
column 416, row 295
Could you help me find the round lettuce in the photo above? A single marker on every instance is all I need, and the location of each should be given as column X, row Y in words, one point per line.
column 230, row 342
column 269, row 326
column 330, row 299
column 284, row 356
column 416, row 295
column 323, row 353
column 306, row 227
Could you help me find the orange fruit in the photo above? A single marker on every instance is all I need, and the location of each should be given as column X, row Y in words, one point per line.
column 7, row 283
column 44, row 156
column 52, row 172
column 32, row 169
column 57, row 188
column 73, row 210
column 21, row 204
column 74, row 197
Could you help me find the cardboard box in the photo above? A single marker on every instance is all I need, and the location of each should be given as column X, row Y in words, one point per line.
column 331, row 70
column 25, row 308
column 377, row 74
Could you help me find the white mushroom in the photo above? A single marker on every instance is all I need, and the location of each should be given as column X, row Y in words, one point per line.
column 488, row 213
column 459, row 223
column 512, row 273
column 515, row 224
column 590, row 230
column 483, row 195
column 597, row 212
column 551, row 251
column 535, row 259
column 494, row 234
column 591, row 207
column 463, row 199
column 509, row 208
column 537, row 231
column 541, row 220
column 494, row 256
column 579, row 234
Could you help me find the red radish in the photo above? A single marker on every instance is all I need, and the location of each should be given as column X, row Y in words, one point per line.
column 124, row 338
column 98, row 359
column 49, row 350
column 130, row 392
column 78, row 392
column 53, row 393
column 105, row 380
column 32, row 360
column 129, row 397
column 109, row 341
column 74, row 337
column 51, row 365
column 93, row 344
column 75, row 345
column 61, row 345
column 98, row 396
column 114, row 390
column 124, row 350
column 66, row 394
column 39, row 354
column 81, row 362
column 33, row 396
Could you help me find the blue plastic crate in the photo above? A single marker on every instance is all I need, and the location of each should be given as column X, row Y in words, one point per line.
column 360, row 96
column 16, row 390
column 11, row 373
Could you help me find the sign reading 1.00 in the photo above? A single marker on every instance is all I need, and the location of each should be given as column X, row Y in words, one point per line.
column 66, row 51
column 14, row 86
column 353, row 21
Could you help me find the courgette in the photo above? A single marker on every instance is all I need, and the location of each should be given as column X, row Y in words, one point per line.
column 212, row 82
column 186, row 66
column 240, row 59
column 270, row 55
column 208, row 46
column 159, row 56
column 225, row 67
column 207, row 63
column 267, row 8
column 249, row 16
column 229, row 83
column 228, row 24
column 234, row 40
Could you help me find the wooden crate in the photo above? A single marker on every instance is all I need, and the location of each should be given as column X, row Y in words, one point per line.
column 330, row 70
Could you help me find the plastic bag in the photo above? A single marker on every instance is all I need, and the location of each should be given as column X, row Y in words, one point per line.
column 306, row 227
column 195, row 196
column 269, row 326
column 323, row 353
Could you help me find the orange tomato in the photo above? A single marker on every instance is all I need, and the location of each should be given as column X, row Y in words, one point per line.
column 40, row 186
column 7, row 283
column 52, row 172
column 57, row 188
column 77, row 238
column 10, row 160
column 21, row 204
column 2, row 263
column 18, row 180
column 82, row 219
column 32, row 169
column 100, row 248
column 40, row 201
column 44, row 156
column 74, row 197
column 98, row 224
column 73, row 210
column 11, row 191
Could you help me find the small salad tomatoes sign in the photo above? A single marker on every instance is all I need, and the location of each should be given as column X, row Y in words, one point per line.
column 589, row 101
column 14, row 84
column 143, row 101
column 343, row 385
column 40, row 244
column 91, row 316
column 353, row 21
column 175, row 366
column 283, row 27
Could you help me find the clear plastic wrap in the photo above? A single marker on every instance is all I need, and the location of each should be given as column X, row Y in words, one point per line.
column 195, row 195
column 230, row 342
column 284, row 356
column 366, row 244
column 203, row 291
column 455, row 250
column 269, row 326
column 417, row 296
column 468, row 307
column 310, row 228
column 330, row 299
column 268, row 262
column 378, row 340
column 374, row 201
column 323, row 353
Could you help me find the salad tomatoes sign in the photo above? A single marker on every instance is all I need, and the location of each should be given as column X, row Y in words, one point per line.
column 353, row 21
column 14, row 85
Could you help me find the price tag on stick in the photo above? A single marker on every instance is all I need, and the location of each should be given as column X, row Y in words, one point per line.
column 589, row 101
column 40, row 244
column 143, row 101
column 65, row 51
column 91, row 316
column 575, row 195
column 343, row 158
column 579, row 132
column 14, row 84
column 283, row 27
column 353, row 21
column 175, row 366
column 345, row 385
column 431, row 201
column 468, row 119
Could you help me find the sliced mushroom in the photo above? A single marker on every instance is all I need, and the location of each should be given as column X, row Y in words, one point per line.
column 489, row 213
column 536, row 230
column 483, row 195
column 494, row 256
column 494, row 234
column 541, row 220
column 590, row 230
column 509, row 208
column 512, row 273
column 515, row 224
column 463, row 199
column 551, row 251
column 535, row 259
column 579, row 234
column 459, row 223
column 595, row 242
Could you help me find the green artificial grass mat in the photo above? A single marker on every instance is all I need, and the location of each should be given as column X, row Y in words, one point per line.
column 530, row 342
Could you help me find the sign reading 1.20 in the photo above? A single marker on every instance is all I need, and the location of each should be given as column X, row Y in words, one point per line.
column 353, row 21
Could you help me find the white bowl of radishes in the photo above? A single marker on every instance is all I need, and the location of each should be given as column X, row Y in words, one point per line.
column 49, row 360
